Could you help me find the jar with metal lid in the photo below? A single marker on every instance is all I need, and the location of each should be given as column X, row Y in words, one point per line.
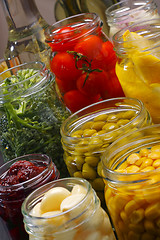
column 66, row 209
column 83, row 61
column 138, row 63
column 18, row 178
column 126, row 12
column 131, row 171
column 87, row 133
column 30, row 113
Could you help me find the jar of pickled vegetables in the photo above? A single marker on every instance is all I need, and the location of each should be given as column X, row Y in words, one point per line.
column 126, row 12
column 31, row 113
column 131, row 171
column 87, row 133
column 83, row 61
column 18, row 178
column 138, row 64
column 66, row 209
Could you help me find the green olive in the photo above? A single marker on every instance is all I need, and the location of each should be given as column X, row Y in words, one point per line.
column 98, row 184
column 69, row 161
column 82, row 146
column 79, row 160
column 92, row 160
column 78, row 174
column 126, row 114
column 110, row 127
column 88, row 132
column 122, row 122
column 88, row 172
column 112, row 118
column 86, row 125
column 95, row 144
column 98, row 125
column 77, row 133
column 101, row 117
column 99, row 169
column 99, row 133
column 109, row 137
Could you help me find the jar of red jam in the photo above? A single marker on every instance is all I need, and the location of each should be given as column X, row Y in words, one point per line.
column 83, row 61
column 18, row 178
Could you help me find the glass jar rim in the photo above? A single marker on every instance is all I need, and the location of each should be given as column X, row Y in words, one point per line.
column 59, row 182
column 43, row 82
column 137, row 27
column 80, row 112
column 33, row 180
column 112, row 175
column 110, row 11
column 72, row 21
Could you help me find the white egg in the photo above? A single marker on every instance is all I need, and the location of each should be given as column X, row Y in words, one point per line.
column 52, row 199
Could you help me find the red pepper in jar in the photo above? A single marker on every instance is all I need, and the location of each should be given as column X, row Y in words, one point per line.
column 83, row 59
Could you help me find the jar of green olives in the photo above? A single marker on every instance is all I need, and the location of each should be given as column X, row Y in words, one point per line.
column 87, row 133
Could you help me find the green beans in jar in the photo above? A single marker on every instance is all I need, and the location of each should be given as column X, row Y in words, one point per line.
column 86, row 134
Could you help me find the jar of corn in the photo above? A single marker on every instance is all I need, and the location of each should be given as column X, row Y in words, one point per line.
column 131, row 171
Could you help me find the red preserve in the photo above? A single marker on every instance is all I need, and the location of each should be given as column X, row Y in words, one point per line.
column 18, row 178
column 83, row 61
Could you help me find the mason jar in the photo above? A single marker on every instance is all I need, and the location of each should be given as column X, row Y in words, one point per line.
column 18, row 178
column 126, row 12
column 131, row 171
column 83, row 61
column 30, row 113
column 138, row 63
column 78, row 213
column 87, row 133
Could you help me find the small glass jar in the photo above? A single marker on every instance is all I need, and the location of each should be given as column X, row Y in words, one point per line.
column 138, row 64
column 126, row 12
column 30, row 113
column 85, row 220
column 87, row 133
column 83, row 61
column 131, row 171
column 12, row 196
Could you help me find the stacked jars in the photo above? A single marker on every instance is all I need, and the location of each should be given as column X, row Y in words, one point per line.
column 83, row 61
column 87, row 133
column 18, row 178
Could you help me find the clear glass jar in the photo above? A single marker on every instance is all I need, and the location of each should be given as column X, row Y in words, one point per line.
column 132, row 189
column 12, row 196
column 83, row 61
column 138, row 64
column 31, row 113
column 127, row 12
column 85, row 220
column 87, row 133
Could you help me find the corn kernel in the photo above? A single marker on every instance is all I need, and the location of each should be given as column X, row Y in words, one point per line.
column 138, row 228
column 153, row 211
column 137, row 216
column 130, row 207
column 133, row 158
column 123, row 166
column 156, row 163
column 150, row 227
column 140, row 161
column 156, row 148
column 154, row 155
column 147, row 169
column 147, row 236
column 132, row 169
column 144, row 152
column 147, row 162
column 124, row 216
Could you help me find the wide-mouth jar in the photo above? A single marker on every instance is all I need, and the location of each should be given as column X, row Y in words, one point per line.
column 18, row 178
column 83, row 61
column 80, row 218
column 126, row 12
column 30, row 113
column 86, row 134
column 138, row 63
column 131, row 172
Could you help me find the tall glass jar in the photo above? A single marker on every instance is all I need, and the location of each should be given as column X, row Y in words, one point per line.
column 131, row 171
column 30, row 113
column 138, row 64
column 87, row 133
column 26, row 41
column 84, row 219
column 83, row 61
column 12, row 195
column 127, row 12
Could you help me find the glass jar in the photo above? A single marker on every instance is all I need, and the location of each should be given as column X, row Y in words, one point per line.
column 127, row 12
column 138, row 64
column 83, row 61
column 12, row 196
column 131, row 172
column 87, row 133
column 31, row 113
column 84, row 220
